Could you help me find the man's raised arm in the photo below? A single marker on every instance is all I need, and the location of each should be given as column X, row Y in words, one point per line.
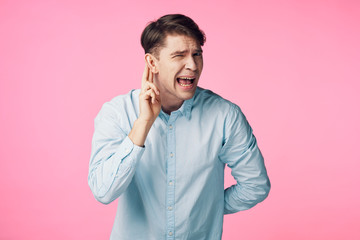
column 150, row 107
column 114, row 153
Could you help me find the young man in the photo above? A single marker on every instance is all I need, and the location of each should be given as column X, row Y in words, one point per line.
column 161, row 150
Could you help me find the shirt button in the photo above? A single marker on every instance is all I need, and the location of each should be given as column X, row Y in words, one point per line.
column 170, row 208
column 170, row 183
column 171, row 154
column 127, row 150
column 170, row 127
column 170, row 233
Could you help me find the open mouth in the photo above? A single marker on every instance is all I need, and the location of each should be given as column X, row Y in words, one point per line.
column 185, row 81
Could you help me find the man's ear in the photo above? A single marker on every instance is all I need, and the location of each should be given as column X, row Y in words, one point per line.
column 151, row 62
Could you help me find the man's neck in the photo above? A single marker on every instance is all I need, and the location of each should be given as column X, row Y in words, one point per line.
column 170, row 105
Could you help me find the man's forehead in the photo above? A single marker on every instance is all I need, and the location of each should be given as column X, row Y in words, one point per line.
column 177, row 42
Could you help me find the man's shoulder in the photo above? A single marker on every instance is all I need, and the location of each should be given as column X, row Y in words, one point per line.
column 125, row 98
column 209, row 99
column 124, row 103
column 213, row 106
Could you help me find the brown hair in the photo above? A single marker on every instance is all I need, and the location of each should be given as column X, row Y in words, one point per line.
column 155, row 32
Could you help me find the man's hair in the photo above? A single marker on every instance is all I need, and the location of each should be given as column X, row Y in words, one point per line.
column 153, row 36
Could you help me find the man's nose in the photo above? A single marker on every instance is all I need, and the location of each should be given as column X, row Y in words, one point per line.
column 191, row 64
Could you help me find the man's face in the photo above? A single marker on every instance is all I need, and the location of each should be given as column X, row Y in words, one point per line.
column 179, row 66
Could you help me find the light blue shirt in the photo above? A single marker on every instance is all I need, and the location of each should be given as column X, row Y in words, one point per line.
column 173, row 188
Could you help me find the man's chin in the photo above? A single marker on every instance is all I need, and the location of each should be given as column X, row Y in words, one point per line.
column 188, row 95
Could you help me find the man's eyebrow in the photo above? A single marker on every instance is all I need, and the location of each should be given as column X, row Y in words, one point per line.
column 185, row 51
column 179, row 52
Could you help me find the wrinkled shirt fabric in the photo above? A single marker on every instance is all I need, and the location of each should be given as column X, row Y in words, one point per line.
column 173, row 187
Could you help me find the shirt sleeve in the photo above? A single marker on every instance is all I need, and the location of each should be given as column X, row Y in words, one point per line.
column 241, row 153
column 113, row 157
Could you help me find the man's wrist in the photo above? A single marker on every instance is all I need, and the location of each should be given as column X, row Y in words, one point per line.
column 140, row 131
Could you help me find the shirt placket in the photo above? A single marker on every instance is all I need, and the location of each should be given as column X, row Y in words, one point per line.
column 171, row 165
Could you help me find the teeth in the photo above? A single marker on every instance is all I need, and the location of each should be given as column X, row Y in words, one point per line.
column 189, row 81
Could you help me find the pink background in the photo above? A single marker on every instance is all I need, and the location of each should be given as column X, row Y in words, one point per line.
column 292, row 66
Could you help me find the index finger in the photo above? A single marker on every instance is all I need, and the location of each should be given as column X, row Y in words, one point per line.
column 145, row 76
column 151, row 76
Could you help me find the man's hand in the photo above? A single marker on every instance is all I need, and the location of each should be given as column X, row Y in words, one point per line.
column 150, row 106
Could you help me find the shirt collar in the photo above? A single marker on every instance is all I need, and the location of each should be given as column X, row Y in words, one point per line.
column 186, row 107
